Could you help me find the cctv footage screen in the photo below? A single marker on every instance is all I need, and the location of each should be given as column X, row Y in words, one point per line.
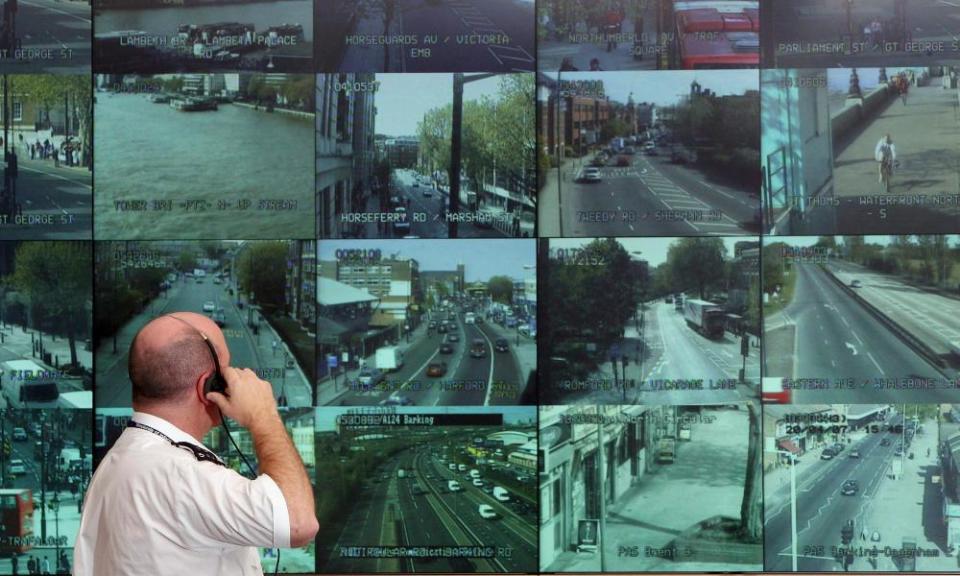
column 427, row 323
column 425, row 36
column 427, row 489
column 389, row 147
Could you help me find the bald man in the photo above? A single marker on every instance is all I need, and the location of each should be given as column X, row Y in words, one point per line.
column 160, row 502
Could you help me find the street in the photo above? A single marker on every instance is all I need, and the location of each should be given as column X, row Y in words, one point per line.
column 60, row 30
column 62, row 196
column 469, row 36
column 822, row 510
column 824, row 333
column 493, row 379
column 923, row 188
column 247, row 350
column 652, row 197
column 928, row 22
column 388, row 512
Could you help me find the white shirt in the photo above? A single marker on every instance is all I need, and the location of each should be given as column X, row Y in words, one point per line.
column 153, row 508
column 878, row 151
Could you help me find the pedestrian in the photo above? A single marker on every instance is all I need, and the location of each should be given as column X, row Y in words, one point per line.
column 32, row 565
column 15, row 564
column 33, row 151
column 63, row 563
column 45, row 565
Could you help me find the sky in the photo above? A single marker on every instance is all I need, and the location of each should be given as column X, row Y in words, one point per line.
column 666, row 87
column 653, row 250
column 482, row 258
column 326, row 417
column 838, row 79
column 403, row 99
column 802, row 241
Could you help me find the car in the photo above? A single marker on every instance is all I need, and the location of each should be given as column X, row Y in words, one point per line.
column 402, row 224
column 428, row 192
column 526, row 330
column 437, row 369
column 220, row 317
column 589, row 174
column 396, row 399
column 453, row 337
column 849, row 488
column 854, row 454
column 446, row 348
column 17, row 467
column 209, row 306
column 828, row 454
column 199, row 279
column 443, row 328
column 598, row 162
column 629, row 151
column 416, row 183
column 898, row 451
column 478, row 482
column 838, row 447
column 510, row 322
column 501, row 345
column 19, row 434
column 856, row 284
column 370, row 376
column 216, row 281
column 623, row 161
column 487, row 512
column 432, row 324
column 885, row 442
column 478, row 348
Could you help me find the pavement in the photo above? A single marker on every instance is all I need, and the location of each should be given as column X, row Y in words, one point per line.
column 652, row 197
column 706, row 480
column 839, row 341
column 61, row 196
column 924, row 186
column 60, row 29
column 467, row 35
column 247, row 349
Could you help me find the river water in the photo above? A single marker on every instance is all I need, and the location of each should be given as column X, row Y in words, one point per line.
column 164, row 21
column 150, row 152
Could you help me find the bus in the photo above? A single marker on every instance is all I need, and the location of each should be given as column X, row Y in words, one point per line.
column 716, row 34
column 16, row 518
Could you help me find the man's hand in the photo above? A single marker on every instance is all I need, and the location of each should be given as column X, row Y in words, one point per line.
column 251, row 399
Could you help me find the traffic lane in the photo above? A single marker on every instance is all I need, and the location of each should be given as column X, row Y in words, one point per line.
column 61, row 29
column 739, row 205
column 509, row 383
column 842, row 340
column 420, row 524
column 822, row 510
column 464, row 17
column 408, row 381
column 362, row 528
column 465, row 382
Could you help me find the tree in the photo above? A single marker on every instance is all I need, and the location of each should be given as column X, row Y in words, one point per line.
column 72, row 92
column 262, row 272
column 751, row 506
column 501, row 289
column 697, row 263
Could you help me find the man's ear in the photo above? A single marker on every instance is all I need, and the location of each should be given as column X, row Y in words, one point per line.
column 199, row 387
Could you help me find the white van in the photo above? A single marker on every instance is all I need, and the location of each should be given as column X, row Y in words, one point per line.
column 26, row 384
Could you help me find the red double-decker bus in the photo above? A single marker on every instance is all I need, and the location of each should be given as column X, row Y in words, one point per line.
column 716, row 34
column 16, row 517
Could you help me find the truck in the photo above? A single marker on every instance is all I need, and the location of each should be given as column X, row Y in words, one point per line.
column 705, row 317
column 501, row 494
column 389, row 358
column 666, row 449
column 453, row 486
column 678, row 301
column 26, row 384
column 69, row 458
column 199, row 273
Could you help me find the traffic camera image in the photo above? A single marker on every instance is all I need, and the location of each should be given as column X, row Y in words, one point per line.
column 666, row 488
column 45, row 37
column 860, row 151
column 647, row 34
column 670, row 153
column 860, row 318
column 258, row 292
column 860, row 487
column 427, row 489
column 650, row 321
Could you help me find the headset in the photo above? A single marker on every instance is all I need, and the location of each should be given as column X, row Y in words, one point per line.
column 217, row 383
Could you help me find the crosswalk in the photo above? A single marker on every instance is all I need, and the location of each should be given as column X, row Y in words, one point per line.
column 511, row 57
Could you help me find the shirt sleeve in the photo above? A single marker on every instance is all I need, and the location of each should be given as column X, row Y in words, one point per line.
column 225, row 508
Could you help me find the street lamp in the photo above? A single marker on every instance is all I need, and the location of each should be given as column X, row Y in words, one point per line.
column 793, row 504
column 55, row 506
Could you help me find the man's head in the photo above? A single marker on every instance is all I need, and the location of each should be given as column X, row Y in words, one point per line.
column 169, row 362
column 888, row 139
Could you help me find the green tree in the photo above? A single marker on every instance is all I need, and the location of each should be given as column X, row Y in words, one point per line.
column 697, row 263
column 500, row 289
column 72, row 93
column 262, row 272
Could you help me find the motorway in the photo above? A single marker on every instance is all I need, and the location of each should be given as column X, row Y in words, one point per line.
column 246, row 349
column 60, row 29
column 837, row 338
column 813, row 21
column 653, row 197
column 493, row 379
column 63, row 196
column 387, row 512
column 822, row 510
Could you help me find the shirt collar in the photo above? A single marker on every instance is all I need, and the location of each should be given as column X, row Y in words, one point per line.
column 161, row 425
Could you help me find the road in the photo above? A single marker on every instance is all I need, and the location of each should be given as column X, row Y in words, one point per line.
column 493, row 379
column 389, row 512
column 924, row 132
column 837, row 338
column 652, row 197
column 812, row 21
column 467, row 36
column 822, row 510
column 246, row 349
column 61, row 199
column 60, row 29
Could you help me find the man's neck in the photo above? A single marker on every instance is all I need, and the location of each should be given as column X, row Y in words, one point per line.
column 178, row 418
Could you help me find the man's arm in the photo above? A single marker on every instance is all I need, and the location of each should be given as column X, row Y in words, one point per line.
column 279, row 459
column 252, row 405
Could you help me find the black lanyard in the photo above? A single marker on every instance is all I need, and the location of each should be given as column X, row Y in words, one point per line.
column 201, row 454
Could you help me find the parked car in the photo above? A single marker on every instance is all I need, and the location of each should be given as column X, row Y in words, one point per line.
column 17, row 467
column 19, row 434
column 856, row 284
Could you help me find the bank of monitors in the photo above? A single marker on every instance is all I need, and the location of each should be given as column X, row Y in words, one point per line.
column 650, row 320
column 388, row 145
column 243, row 286
column 427, row 489
column 214, row 156
column 425, row 36
column 668, row 153
column 427, row 323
